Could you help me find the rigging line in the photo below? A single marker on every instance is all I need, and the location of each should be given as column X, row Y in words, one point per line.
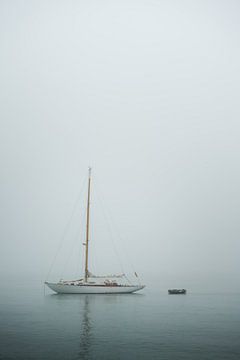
column 72, row 248
column 94, row 230
column 73, row 245
column 66, row 228
column 130, row 282
column 80, row 251
column 78, row 261
column 82, row 266
column 122, row 242
column 110, row 229
column 83, row 240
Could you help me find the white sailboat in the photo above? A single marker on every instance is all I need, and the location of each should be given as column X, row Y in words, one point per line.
column 90, row 284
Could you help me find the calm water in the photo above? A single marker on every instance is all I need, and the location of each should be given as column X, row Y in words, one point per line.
column 151, row 325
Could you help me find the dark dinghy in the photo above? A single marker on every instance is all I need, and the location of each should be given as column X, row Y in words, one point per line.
column 177, row 291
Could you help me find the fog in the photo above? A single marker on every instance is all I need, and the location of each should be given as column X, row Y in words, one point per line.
column 145, row 92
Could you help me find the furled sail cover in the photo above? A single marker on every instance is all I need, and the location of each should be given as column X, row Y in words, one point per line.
column 105, row 276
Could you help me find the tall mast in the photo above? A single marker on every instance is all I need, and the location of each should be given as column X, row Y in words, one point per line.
column 87, row 228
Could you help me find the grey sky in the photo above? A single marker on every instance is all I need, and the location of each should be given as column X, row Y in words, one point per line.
column 147, row 92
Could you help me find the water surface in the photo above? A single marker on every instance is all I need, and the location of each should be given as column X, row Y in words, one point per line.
column 146, row 325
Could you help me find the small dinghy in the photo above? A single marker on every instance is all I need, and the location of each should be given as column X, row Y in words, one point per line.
column 177, row 291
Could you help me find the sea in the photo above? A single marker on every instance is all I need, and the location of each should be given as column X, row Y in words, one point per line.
column 35, row 323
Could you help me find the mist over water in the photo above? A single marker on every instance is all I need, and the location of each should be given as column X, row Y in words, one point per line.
column 147, row 94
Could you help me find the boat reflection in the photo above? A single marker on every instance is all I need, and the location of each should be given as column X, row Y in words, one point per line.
column 86, row 333
column 76, row 317
column 80, row 317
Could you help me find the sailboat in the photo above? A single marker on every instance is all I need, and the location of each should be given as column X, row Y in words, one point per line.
column 91, row 284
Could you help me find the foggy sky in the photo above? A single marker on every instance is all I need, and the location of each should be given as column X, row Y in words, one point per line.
column 147, row 93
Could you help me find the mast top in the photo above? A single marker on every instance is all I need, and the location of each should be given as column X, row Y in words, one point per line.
column 89, row 171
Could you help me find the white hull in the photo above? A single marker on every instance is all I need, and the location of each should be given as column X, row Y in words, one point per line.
column 93, row 289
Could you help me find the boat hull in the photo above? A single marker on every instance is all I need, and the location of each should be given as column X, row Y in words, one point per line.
column 93, row 289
